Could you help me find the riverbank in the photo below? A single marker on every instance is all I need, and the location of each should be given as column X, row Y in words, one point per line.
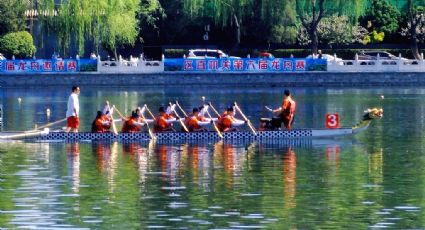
column 287, row 79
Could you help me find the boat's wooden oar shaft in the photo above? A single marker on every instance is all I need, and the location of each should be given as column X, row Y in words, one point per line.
column 180, row 120
column 215, row 111
column 119, row 113
column 150, row 112
column 246, row 119
column 51, row 123
column 181, row 109
column 215, row 126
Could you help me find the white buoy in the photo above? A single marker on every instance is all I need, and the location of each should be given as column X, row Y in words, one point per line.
column 19, row 100
column 203, row 98
column 48, row 112
column 382, row 97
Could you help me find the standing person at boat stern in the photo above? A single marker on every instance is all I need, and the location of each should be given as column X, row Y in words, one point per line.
column 73, row 109
column 287, row 110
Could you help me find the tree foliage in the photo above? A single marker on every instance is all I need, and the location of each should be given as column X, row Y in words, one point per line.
column 20, row 44
column 12, row 16
column 252, row 20
column 334, row 30
column 382, row 16
column 111, row 23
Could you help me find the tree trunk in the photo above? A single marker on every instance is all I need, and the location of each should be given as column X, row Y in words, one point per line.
column 314, row 39
column 413, row 25
column 414, row 47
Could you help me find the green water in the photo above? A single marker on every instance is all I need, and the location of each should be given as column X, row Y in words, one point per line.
column 372, row 180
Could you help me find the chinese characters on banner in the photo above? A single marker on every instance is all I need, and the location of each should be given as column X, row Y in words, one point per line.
column 38, row 66
column 245, row 64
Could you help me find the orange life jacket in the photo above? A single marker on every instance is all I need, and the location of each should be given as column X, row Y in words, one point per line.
column 225, row 122
column 161, row 123
column 193, row 123
column 130, row 126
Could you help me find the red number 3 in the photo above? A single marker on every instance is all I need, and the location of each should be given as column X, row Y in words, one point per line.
column 332, row 121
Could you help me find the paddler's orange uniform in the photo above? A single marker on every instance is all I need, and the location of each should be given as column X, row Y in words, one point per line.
column 101, row 124
column 225, row 121
column 131, row 124
column 161, row 121
column 288, row 111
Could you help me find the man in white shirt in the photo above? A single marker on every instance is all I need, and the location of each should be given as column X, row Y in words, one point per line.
column 73, row 109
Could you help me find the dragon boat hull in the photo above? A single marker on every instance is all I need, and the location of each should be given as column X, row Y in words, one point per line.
column 239, row 135
column 47, row 135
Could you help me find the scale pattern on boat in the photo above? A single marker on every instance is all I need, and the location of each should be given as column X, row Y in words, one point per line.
column 177, row 135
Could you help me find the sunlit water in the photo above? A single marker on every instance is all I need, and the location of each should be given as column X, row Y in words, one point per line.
column 375, row 179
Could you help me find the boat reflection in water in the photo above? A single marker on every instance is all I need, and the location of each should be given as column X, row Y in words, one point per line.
column 73, row 157
column 106, row 154
column 199, row 160
column 231, row 157
column 290, row 178
column 140, row 155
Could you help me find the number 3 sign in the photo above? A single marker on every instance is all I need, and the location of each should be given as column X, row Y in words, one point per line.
column 332, row 121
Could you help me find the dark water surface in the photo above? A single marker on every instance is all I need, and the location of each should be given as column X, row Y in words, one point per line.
column 375, row 179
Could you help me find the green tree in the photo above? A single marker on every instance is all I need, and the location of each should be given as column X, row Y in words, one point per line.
column 382, row 16
column 12, row 16
column 20, row 44
column 415, row 28
column 111, row 23
column 250, row 20
column 311, row 12
column 335, row 30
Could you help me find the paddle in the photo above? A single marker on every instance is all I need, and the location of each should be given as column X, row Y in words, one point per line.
column 151, row 134
column 119, row 113
column 268, row 108
column 246, row 119
column 51, row 123
column 178, row 105
column 180, row 120
column 149, row 111
column 114, row 127
column 215, row 126
column 212, row 107
column 26, row 134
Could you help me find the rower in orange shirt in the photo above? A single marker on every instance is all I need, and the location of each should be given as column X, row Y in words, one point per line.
column 132, row 124
column 101, row 124
column 163, row 121
column 287, row 110
column 195, row 122
column 227, row 121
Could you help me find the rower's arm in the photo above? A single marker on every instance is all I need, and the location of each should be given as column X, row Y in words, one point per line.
column 171, row 120
column 149, row 121
column 204, row 123
column 277, row 110
column 211, row 119
column 237, row 122
column 139, row 123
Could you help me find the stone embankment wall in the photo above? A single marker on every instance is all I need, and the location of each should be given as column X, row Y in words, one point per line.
column 305, row 79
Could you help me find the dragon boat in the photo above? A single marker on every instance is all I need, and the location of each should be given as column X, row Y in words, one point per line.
column 47, row 135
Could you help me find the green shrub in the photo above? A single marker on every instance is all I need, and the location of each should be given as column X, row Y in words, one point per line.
column 20, row 44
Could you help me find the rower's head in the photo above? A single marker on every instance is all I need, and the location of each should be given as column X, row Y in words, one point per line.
column 134, row 114
column 195, row 110
column 287, row 92
column 76, row 89
column 229, row 110
column 161, row 110
column 99, row 114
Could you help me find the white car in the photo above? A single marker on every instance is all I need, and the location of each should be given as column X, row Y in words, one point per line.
column 208, row 53
column 328, row 57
